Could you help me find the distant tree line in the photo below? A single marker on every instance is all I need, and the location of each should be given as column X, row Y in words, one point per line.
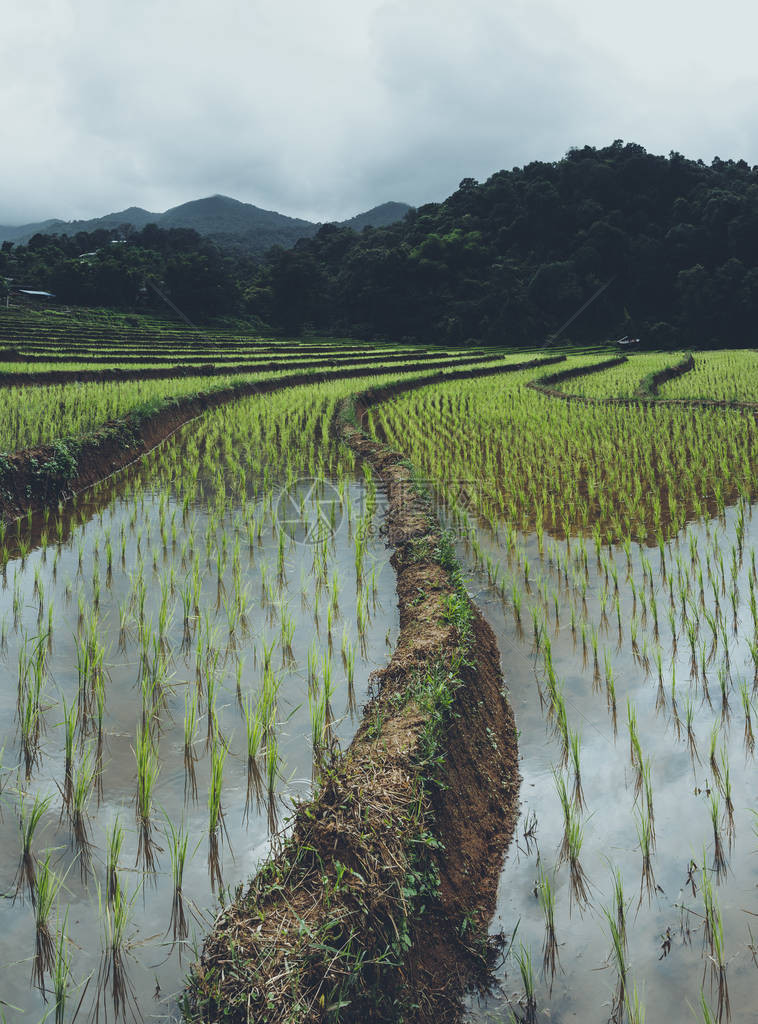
column 507, row 261
column 116, row 268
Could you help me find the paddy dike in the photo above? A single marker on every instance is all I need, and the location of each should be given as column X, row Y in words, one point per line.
column 377, row 907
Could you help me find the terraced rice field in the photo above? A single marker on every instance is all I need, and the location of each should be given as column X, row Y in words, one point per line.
column 187, row 646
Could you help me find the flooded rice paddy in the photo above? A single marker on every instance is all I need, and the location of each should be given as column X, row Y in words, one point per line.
column 178, row 651
column 632, row 885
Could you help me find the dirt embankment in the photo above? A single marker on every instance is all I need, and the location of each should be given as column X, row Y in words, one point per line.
column 376, row 908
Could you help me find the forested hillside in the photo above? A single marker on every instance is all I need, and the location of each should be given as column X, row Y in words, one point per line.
column 513, row 258
column 508, row 261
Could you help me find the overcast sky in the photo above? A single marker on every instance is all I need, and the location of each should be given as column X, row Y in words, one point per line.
column 322, row 109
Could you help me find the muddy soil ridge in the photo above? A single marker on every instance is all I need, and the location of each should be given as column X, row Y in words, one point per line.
column 376, row 908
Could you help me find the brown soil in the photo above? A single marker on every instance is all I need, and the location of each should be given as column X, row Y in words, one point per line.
column 265, row 959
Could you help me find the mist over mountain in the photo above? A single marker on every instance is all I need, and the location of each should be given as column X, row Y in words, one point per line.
column 228, row 222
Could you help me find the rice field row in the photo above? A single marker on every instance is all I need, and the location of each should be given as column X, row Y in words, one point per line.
column 31, row 415
column 621, row 381
column 726, row 376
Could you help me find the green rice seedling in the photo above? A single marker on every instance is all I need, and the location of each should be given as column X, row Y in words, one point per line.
column 112, row 978
column 82, row 790
column 747, row 707
column 288, row 633
column 633, row 729
column 536, row 627
column 148, row 768
column 567, row 809
column 350, row 671
column 177, row 845
column 212, row 682
column 661, row 693
column 577, row 794
column 317, row 706
column 579, row 886
column 620, row 906
column 708, row 907
column 528, row 1002
column 190, row 737
column 216, row 824
column 724, row 684
column 713, row 932
column 617, row 936
column 646, row 841
column 674, row 707
column 726, row 790
column 99, row 688
column 516, row 599
column 719, row 859
column 647, row 788
column 238, row 679
column 47, row 888
column 550, row 957
column 712, row 759
column 313, row 659
column 635, row 749
column 709, row 1017
column 272, row 774
column 61, row 972
column 689, row 713
column 29, row 721
column 113, row 843
column 29, row 821
column 254, row 731
column 635, row 1009
column 609, row 681
column 560, row 719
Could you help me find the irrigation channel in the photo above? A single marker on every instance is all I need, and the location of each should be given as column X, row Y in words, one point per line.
column 177, row 658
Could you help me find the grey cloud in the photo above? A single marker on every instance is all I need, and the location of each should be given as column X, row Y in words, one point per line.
column 323, row 110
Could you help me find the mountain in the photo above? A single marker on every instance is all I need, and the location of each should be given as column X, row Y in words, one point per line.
column 378, row 217
column 227, row 221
